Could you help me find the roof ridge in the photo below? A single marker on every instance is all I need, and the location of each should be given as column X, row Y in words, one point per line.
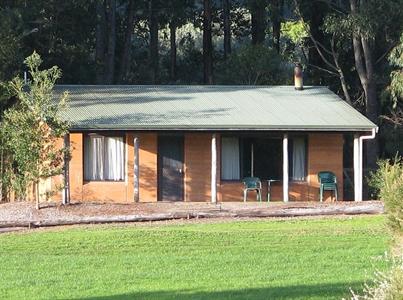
column 184, row 86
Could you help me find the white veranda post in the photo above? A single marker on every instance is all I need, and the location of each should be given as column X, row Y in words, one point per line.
column 357, row 172
column 285, row 167
column 136, row 169
column 213, row 169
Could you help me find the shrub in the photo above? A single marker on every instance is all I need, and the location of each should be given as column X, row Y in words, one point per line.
column 29, row 129
column 388, row 180
column 386, row 286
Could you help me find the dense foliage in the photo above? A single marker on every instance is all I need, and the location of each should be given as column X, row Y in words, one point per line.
column 29, row 130
column 388, row 180
column 386, row 285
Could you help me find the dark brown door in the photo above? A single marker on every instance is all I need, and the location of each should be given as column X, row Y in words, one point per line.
column 170, row 168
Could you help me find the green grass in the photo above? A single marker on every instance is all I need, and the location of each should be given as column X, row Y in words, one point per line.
column 283, row 259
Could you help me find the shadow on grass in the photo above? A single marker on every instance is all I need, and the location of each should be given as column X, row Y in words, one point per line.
column 320, row 291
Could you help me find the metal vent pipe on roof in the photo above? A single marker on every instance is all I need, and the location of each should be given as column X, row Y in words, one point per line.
column 298, row 81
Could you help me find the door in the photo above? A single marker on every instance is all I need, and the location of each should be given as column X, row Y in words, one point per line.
column 170, row 168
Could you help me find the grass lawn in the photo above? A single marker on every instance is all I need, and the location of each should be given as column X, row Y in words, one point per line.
column 266, row 259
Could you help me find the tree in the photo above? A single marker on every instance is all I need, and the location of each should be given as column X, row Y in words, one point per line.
column 127, row 44
column 259, row 20
column 154, row 53
column 364, row 63
column 365, row 23
column 105, row 41
column 111, row 45
column 11, row 33
column 276, row 7
column 63, row 30
column 178, row 13
column 227, row 27
column 207, row 43
column 396, row 60
column 30, row 128
column 100, row 41
column 254, row 65
column 328, row 54
column 395, row 89
column 351, row 40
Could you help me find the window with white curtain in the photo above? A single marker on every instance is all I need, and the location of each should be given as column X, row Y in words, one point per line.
column 103, row 158
column 230, row 167
column 298, row 159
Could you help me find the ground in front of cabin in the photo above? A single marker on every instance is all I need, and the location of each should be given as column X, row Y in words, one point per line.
column 310, row 258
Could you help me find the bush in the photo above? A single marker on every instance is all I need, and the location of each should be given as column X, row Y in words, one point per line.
column 29, row 129
column 388, row 180
column 386, row 286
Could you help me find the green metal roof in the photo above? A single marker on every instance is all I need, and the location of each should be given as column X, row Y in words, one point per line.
column 209, row 108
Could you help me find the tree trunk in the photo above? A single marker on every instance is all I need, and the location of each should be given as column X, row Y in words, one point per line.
column 259, row 21
column 276, row 23
column 110, row 61
column 126, row 52
column 315, row 20
column 227, row 27
column 37, row 195
column 153, row 55
column 172, row 38
column 344, row 87
column 372, row 112
column 100, row 41
column 364, row 63
column 207, row 44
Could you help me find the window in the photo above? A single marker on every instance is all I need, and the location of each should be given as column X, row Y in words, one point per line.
column 261, row 157
column 103, row 158
column 230, row 158
column 298, row 159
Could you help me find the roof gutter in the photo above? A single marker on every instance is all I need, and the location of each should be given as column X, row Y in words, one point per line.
column 358, row 174
column 173, row 128
column 374, row 131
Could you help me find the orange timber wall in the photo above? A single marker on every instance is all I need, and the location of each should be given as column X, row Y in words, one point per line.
column 325, row 152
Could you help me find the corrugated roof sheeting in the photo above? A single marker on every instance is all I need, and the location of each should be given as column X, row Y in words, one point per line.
column 209, row 107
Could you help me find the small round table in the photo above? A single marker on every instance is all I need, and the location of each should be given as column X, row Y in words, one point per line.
column 269, row 182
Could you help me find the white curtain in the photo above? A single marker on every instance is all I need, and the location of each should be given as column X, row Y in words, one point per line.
column 104, row 158
column 94, row 158
column 298, row 159
column 114, row 158
column 230, row 158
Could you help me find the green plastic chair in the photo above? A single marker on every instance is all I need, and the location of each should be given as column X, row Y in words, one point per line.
column 252, row 184
column 328, row 182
